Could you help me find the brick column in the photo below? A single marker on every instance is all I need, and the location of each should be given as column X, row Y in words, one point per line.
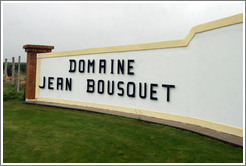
column 32, row 51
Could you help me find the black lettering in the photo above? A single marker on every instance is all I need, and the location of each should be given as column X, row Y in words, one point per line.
column 130, row 67
column 91, row 64
column 152, row 91
column 72, row 66
column 143, row 96
column 81, row 66
column 128, row 89
column 112, row 89
column 121, row 66
column 100, row 86
column 90, row 86
column 112, row 66
column 59, row 84
column 42, row 87
column 50, row 83
column 168, row 90
column 69, row 84
column 102, row 65
column 120, row 88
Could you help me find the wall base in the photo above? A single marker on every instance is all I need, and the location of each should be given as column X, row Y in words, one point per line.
column 225, row 137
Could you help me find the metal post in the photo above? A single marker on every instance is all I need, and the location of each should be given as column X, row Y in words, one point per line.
column 5, row 69
column 18, row 81
column 13, row 70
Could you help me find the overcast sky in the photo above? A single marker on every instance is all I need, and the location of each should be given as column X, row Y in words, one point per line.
column 72, row 26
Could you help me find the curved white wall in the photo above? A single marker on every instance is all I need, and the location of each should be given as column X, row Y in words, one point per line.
column 208, row 75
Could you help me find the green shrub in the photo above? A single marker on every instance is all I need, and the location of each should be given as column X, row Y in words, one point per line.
column 10, row 92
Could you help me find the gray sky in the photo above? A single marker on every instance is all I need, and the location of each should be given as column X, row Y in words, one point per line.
column 72, row 26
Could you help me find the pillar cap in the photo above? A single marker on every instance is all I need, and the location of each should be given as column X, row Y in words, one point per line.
column 38, row 48
column 27, row 46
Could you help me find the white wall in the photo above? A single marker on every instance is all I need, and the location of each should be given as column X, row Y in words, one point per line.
column 208, row 75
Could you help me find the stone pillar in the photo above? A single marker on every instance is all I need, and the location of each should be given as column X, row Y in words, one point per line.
column 32, row 51
column 18, row 78
column 13, row 71
column 5, row 70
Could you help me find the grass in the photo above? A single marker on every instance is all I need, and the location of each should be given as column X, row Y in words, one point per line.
column 40, row 134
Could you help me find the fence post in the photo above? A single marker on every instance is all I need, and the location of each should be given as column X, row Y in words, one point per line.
column 18, row 81
column 5, row 69
column 13, row 70
column 32, row 51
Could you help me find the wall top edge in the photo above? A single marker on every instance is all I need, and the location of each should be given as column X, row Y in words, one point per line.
column 235, row 19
